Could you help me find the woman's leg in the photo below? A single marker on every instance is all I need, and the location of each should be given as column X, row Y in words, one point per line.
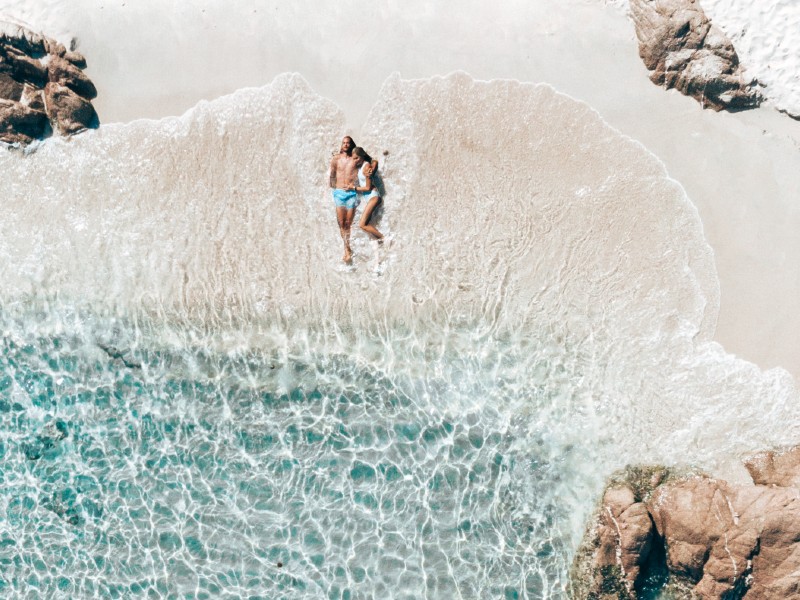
column 367, row 215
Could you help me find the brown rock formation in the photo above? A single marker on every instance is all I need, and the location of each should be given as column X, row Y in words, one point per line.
column 683, row 50
column 624, row 534
column 64, row 73
column 10, row 88
column 773, row 467
column 613, row 560
column 42, row 87
column 69, row 113
column 20, row 122
column 708, row 539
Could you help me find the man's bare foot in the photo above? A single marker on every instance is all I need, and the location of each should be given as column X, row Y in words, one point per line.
column 348, row 257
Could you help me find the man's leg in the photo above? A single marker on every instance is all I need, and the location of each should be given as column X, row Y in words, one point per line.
column 349, row 213
column 344, row 231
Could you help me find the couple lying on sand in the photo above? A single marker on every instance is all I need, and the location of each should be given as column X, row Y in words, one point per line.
column 353, row 178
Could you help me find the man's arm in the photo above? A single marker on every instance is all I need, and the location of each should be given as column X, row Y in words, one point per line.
column 332, row 172
column 373, row 166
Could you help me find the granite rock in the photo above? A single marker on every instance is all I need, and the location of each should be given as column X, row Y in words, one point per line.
column 43, row 89
column 775, row 467
column 20, row 123
column 682, row 49
column 707, row 539
column 68, row 112
column 63, row 72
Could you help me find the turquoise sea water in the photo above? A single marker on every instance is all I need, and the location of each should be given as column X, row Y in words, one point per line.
column 158, row 469
column 233, row 415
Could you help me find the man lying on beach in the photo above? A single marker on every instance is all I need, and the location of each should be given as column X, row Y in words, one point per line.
column 344, row 179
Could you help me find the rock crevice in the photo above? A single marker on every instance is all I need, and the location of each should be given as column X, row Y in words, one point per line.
column 699, row 536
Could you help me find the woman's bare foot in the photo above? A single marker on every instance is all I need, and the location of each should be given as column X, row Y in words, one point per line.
column 348, row 257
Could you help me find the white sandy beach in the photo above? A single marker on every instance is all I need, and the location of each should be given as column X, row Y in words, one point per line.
column 199, row 398
column 742, row 171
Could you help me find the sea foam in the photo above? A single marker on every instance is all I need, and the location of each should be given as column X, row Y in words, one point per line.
column 508, row 204
column 231, row 397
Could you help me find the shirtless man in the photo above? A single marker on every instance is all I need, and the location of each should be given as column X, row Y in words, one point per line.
column 343, row 180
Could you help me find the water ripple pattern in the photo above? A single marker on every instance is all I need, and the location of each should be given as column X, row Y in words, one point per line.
column 198, row 401
column 130, row 471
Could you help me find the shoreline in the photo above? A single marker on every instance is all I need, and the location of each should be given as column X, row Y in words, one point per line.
column 738, row 170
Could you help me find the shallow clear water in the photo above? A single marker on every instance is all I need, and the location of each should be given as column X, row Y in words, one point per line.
column 434, row 422
column 144, row 469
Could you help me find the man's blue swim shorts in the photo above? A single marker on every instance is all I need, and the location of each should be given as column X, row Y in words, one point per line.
column 345, row 198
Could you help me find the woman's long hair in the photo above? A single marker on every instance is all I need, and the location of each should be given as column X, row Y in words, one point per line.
column 361, row 153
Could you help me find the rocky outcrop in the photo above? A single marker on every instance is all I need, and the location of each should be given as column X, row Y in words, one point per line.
column 700, row 537
column 683, row 50
column 618, row 552
column 42, row 87
column 781, row 468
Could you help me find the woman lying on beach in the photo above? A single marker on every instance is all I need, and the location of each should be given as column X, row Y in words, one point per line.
column 368, row 189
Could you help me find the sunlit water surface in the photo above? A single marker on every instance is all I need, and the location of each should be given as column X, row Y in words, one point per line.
column 147, row 469
column 197, row 400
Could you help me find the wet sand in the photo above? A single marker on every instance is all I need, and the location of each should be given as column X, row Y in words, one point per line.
column 742, row 171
